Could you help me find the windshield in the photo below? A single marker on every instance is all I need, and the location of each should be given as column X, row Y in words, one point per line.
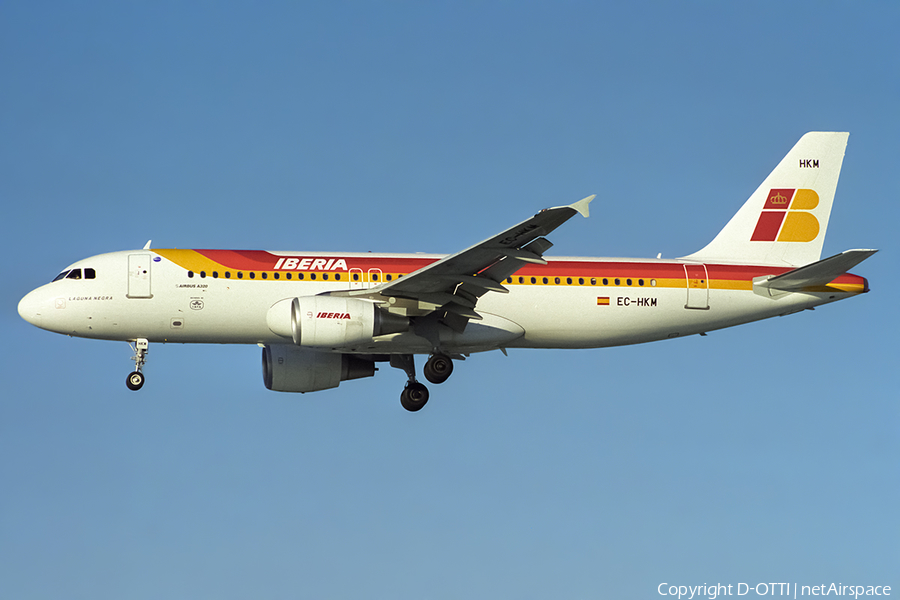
column 88, row 273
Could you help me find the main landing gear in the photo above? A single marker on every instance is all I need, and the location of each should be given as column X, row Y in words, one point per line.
column 437, row 369
column 135, row 379
column 414, row 396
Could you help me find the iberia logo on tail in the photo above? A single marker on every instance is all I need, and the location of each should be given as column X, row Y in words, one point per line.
column 786, row 218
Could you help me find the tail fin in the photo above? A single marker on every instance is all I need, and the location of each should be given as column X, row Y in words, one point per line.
column 784, row 221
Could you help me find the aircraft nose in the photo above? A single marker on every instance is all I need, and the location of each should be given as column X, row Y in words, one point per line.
column 30, row 308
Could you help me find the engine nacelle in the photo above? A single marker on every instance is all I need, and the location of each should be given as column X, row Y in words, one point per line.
column 288, row 368
column 332, row 321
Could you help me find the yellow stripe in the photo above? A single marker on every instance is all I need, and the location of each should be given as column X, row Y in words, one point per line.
column 188, row 259
column 730, row 284
column 849, row 288
column 678, row 283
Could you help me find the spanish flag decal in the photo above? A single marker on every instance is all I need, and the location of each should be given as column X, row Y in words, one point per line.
column 603, row 301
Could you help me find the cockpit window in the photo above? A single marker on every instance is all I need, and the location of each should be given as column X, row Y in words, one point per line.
column 88, row 273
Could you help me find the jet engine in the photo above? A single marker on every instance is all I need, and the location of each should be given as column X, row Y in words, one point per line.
column 331, row 321
column 287, row 368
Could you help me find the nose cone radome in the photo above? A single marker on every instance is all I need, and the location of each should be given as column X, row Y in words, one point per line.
column 30, row 308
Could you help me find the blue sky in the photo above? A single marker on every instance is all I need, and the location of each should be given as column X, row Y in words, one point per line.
column 764, row 453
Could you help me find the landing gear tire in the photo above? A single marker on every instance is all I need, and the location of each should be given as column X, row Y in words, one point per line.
column 135, row 381
column 438, row 368
column 414, row 396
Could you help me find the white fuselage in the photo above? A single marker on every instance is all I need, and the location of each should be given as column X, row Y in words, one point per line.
column 147, row 294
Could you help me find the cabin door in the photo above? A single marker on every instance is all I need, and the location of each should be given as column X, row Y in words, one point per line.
column 139, row 276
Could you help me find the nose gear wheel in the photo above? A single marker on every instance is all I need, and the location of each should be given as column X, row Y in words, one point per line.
column 135, row 379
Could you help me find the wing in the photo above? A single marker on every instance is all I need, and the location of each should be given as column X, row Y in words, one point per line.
column 451, row 286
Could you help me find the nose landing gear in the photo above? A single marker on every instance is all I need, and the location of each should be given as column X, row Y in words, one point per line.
column 135, row 379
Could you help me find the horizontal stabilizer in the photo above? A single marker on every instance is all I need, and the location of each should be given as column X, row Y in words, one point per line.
column 817, row 274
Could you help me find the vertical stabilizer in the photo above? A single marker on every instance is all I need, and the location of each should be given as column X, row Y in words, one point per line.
column 784, row 221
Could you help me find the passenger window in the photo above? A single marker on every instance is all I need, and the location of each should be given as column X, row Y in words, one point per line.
column 337, row 276
column 264, row 275
column 275, row 276
column 300, row 275
column 605, row 281
column 312, row 276
column 252, row 275
column 388, row 276
column 618, row 281
column 533, row 280
column 569, row 280
column 215, row 274
column 325, row 276
column 628, row 281
column 640, row 282
column 521, row 280
column 544, row 280
column 287, row 275
column 202, row 274
column 594, row 281
column 227, row 274
column 581, row 281
column 90, row 274
column 240, row 274
column 556, row 280
column 356, row 277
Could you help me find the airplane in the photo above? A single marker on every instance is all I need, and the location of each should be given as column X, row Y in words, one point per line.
column 324, row 318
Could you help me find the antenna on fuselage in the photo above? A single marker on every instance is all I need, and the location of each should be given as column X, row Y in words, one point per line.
column 147, row 245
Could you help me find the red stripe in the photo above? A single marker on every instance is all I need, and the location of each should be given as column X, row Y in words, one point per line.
column 261, row 260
